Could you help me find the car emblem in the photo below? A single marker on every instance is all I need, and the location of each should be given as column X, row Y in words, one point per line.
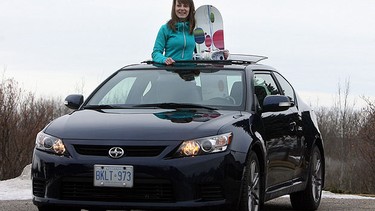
column 116, row 152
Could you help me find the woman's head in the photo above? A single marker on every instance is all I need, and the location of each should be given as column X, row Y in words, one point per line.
column 183, row 10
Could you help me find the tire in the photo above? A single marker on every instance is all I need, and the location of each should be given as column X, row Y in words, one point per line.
column 309, row 199
column 251, row 189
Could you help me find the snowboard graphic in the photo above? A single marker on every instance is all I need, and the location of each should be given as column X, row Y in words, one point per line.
column 209, row 32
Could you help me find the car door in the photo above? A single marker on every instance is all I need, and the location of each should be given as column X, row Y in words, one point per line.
column 296, row 129
column 280, row 132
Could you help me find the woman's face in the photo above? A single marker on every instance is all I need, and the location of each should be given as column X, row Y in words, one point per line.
column 182, row 10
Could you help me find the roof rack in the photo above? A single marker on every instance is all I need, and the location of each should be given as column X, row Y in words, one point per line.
column 193, row 62
column 244, row 58
column 234, row 59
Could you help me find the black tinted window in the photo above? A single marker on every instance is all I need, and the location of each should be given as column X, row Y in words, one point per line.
column 264, row 85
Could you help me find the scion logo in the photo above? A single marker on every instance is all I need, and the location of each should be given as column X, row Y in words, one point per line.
column 116, row 152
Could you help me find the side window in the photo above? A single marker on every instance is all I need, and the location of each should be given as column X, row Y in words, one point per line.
column 287, row 89
column 264, row 85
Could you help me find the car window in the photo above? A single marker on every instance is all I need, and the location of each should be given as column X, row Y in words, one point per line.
column 216, row 88
column 125, row 87
column 223, row 87
column 287, row 89
column 119, row 93
column 264, row 85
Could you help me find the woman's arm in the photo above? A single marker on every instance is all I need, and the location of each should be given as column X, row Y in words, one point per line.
column 159, row 46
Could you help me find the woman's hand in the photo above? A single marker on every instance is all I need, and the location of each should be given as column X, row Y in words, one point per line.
column 169, row 61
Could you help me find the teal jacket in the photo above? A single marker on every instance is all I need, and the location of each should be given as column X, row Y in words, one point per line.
column 178, row 45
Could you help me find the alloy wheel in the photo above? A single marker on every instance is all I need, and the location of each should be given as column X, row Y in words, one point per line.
column 254, row 187
column 317, row 176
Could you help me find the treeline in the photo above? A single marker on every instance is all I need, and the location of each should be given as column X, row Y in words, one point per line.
column 349, row 136
column 22, row 116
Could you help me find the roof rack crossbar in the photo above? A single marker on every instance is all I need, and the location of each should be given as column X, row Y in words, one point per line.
column 194, row 62
column 245, row 58
column 234, row 59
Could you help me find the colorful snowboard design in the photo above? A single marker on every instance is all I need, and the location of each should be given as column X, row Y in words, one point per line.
column 209, row 32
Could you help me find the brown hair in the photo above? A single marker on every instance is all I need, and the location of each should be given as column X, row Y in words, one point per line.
column 190, row 18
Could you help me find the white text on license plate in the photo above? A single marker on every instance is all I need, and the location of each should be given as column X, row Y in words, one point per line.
column 113, row 176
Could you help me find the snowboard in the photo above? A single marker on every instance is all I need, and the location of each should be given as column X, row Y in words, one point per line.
column 209, row 33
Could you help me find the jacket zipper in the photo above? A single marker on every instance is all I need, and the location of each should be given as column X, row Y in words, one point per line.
column 183, row 50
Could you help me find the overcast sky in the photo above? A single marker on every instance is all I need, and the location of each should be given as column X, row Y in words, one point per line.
column 59, row 47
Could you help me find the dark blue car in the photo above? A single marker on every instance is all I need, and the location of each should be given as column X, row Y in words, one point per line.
column 229, row 134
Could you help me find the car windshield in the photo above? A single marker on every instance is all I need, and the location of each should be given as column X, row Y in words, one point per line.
column 215, row 89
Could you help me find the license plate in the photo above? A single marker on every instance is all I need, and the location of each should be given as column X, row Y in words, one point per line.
column 113, row 176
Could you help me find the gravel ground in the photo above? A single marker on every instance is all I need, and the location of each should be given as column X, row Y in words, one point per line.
column 280, row 204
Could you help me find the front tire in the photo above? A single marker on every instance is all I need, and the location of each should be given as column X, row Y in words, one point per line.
column 251, row 188
column 309, row 199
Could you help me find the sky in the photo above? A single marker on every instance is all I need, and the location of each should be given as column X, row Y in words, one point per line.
column 60, row 47
column 20, row 188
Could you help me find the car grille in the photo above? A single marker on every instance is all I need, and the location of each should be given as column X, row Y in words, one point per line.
column 211, row 192
column 144, row 190
column 130, row 151
column 39, row 187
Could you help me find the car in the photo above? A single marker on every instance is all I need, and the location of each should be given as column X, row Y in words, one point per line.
column 228, row 134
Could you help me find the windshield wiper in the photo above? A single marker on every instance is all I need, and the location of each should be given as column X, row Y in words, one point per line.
column 174, row 106
column 98, row 107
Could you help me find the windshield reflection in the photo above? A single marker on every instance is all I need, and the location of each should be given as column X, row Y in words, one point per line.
column 185, row 116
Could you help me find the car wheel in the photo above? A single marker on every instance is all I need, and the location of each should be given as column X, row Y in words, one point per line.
column 251, row 188
column 309, row 199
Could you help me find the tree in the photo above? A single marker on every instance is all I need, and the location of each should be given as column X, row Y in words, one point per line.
column 22, row 116
column 346, row 148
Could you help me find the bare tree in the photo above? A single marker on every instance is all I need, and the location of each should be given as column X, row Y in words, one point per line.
column 9, row 96
column 22, row 116
column 367, row 146
column 341, row 127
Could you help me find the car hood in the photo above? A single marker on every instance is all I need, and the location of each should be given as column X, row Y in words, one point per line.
column 140, row 124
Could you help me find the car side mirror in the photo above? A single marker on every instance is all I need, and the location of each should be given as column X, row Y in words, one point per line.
column 275, row 103
column 73, row 101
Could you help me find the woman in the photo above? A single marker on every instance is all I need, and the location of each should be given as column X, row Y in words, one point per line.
column 175, row 40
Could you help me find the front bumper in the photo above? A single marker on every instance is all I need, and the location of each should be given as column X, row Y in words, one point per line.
column 159, row 182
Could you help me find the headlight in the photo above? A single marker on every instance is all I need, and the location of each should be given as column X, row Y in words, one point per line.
column 50, row 144
column 205, row 145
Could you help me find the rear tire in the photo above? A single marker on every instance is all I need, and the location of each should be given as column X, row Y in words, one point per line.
column 251, row 188
column 309, row 199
